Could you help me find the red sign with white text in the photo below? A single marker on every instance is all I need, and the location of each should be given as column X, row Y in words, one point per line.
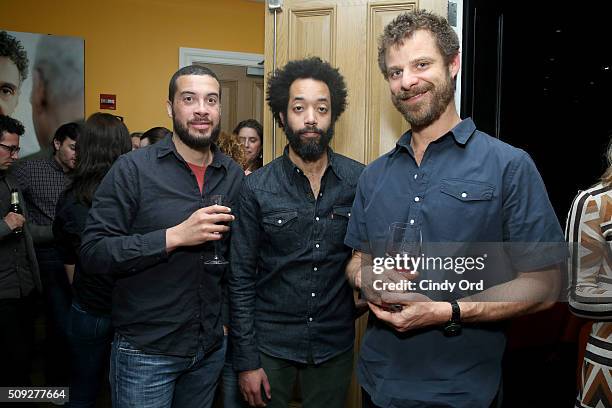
column 108, row 101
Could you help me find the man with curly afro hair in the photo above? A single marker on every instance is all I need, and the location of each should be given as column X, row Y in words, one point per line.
column 13, row 71
column 292, row 309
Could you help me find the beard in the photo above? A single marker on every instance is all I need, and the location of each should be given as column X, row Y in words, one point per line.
column 420, row 115
column 309, row 149
column 195, row 141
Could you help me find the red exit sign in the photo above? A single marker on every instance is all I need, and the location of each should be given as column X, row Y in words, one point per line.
column 108, row 101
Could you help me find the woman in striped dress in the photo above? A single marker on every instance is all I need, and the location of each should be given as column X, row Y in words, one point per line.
column 589, row 230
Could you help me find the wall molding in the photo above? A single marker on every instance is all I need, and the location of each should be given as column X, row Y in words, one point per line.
column 188, row 56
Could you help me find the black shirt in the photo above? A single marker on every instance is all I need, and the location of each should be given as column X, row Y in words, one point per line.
column 91, row 290
column 17, row 275
column 162, row 303
column 289, row 296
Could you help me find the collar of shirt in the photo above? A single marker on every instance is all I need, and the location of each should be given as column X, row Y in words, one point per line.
column 166, row 146
column 291, row 169
column 461, row 133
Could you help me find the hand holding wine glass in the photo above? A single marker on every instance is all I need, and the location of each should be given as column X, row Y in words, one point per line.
column 216, row 203
column 205, row 224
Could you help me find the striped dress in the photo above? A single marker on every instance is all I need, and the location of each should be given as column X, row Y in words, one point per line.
column 589, row 230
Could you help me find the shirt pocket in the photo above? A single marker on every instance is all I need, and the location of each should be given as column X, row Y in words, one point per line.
column 339, row 219
column 281, row 228
column 466, row 208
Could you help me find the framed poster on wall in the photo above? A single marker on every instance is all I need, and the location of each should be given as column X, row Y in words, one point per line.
column 42, row 84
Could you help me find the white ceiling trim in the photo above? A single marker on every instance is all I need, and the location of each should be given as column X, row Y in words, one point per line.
column 188, row 56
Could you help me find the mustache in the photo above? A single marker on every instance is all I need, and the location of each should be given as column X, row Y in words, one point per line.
column 403, row 95
column 310, row 130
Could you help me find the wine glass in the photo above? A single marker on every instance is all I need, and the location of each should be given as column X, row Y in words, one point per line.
column 217, row 259
column 402, row 243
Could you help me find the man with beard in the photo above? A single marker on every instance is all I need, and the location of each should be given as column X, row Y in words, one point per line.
column 151, row 227
column 445, row 182
column 292, row 310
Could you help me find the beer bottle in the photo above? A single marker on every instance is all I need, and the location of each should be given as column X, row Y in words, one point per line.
column 16, row 208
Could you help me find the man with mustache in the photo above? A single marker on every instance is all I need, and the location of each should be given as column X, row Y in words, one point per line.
column 446, row 182
column 150, row 227
column 292, row 309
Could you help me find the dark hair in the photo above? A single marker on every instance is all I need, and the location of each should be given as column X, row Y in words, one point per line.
column 310, row 68
column 104, row 139
column 11, row 48
column 155, row 134
column 256, row 126
column 136, row 134
column 70, row 130
column 10, row 125
column 189, row 70
column 404, row 26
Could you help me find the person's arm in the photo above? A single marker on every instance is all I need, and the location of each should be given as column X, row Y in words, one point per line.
column 242, row 290
column 9, row 223
column 529, row 292
column 589, row 233
column 110, row 247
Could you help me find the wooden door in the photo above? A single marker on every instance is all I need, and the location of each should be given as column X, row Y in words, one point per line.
column 344, row 33
column 242, row 96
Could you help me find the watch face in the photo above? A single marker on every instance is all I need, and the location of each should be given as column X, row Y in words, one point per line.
column 452, row 329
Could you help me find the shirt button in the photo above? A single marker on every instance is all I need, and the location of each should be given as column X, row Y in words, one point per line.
column 316, row 245
column 415, row 176
column 313, row 294
column 411, row 222
column 463, row 195
column 315, row 269
column 349, row 214
column 317, row 218
column 310, row 319
column 280, row 221
column 417, row 199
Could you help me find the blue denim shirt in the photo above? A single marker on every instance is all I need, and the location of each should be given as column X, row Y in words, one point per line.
column 289, row 297
column 469, row 187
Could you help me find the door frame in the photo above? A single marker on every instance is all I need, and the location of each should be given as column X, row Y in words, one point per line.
column 189, row 56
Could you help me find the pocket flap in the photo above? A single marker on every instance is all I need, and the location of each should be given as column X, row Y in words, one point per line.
column 466, row 190
column 342, row 211
column 279, row 218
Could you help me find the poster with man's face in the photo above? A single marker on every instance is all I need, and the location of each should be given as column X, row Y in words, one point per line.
column 42, row 84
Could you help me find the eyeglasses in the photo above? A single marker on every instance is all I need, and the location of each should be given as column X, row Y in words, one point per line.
column 11, row 149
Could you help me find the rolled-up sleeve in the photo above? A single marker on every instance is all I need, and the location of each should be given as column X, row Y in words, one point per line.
column 108, row 245
column 356, row 234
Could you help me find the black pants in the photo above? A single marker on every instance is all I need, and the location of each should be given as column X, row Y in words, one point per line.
column 16, row 341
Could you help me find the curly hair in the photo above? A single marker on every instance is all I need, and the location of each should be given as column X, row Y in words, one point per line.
column 231, row 147
column 11, row 48
column 10, row 125
column 310, row 68
column 405, row 25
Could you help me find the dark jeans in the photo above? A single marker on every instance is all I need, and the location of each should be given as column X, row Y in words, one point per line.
column 90, row 340
column 16, row 340
column 57, row 300
column 144, row 380
column 322, row 385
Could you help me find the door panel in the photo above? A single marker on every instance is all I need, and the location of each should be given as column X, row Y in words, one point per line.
column 344, row 33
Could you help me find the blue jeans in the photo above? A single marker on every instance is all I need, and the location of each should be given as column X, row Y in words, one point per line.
column 90, row 340
column 143, row 380
column 232, row 398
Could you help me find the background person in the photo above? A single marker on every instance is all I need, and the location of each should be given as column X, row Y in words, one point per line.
column 19, row 276
column 589, row 232
column 104, row 139
column 153, row 135
column 250, row 134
